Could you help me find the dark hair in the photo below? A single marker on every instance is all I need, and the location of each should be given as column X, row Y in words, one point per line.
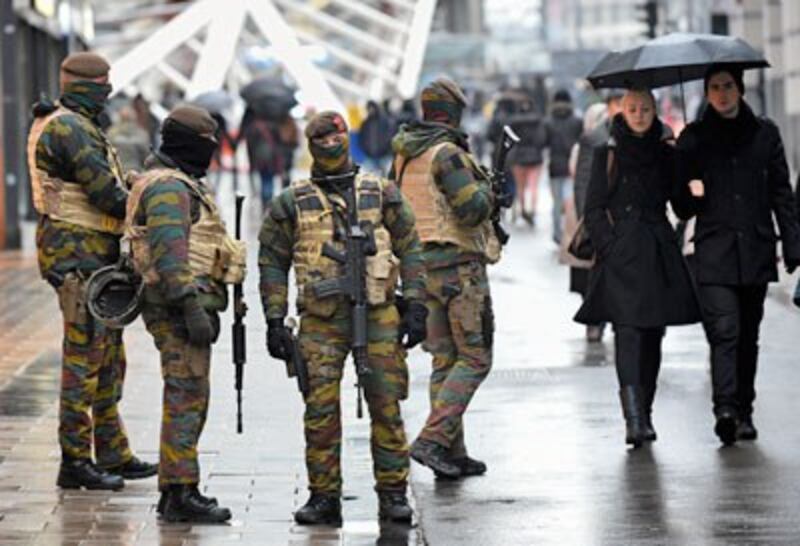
column 736, row 73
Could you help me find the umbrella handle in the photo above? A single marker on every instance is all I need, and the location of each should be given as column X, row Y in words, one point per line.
column 683, row 97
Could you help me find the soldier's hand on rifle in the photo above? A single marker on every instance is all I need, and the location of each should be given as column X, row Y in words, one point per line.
column 412, row 325
column 279, row 339
column 198, row 323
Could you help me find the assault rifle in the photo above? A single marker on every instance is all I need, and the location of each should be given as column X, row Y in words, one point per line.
column 295, row 365
column 238, row 327
column 359, row 239
column 502, row 199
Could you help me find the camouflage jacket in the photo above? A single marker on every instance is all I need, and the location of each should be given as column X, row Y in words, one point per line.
column 73, row 148
column 471, row 198
column 278, row 238
column 169, row 208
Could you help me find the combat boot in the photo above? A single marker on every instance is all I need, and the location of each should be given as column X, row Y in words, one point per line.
column 746, row 429
column 320, row 509
column 77, row 473
column 393, row 506
column 184, row 503
column 469, row 466
column 135, row 469
column 632, row 409
column 435, row 457
column 162, row 501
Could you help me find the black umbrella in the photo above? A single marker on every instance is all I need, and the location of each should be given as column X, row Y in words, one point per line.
column 672, row 59
column 269, row 97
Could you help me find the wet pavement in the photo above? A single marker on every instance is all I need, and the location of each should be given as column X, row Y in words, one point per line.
column 546, row 421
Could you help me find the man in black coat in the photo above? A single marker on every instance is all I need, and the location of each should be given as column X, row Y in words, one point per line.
column 564, row 129
column 735, row 168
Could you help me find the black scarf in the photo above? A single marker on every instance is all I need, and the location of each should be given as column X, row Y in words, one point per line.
column 636, row 151
column 191, row 152
column 728, row 135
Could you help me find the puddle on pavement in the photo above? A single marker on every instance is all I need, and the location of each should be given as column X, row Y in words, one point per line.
column 32, row 392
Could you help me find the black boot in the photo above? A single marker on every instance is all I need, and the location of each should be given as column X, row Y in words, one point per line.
column 393, row 506
column 320, row 509
column 470, row 466
column 185, row 504
column 726, row 426
column 162, row 501
column 77, row 473
column 435, row 457
column 134, row 469
column 632, row 409
column 746, row 429
column 650, row 431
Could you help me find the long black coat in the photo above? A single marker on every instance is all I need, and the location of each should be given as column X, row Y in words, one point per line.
column 640, row 278
column 743, row 168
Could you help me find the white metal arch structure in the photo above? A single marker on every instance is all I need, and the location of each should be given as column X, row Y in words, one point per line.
column 374, row 48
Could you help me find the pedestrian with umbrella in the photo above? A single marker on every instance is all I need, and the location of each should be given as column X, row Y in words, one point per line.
column 265, row 120
column 733, row 177
column 734, row 164
column 640, row 282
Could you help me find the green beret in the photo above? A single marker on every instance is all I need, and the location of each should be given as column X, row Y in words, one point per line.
column 85, row 65
column 324, row 124
column 195, row 118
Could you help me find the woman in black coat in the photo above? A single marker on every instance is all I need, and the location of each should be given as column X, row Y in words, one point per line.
column 640, row 282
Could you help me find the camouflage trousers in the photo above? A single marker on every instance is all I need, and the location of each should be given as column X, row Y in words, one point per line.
column 325, row 343
column 92, row 374
column 185, row 369
column 460, row 336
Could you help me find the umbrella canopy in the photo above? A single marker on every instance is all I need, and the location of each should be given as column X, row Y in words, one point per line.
column 216, row 102
column 673, row 59
column 269, row 97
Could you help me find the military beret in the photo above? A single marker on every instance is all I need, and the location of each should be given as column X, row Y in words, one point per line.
column 443, row 89
column 195, row 118
column 85, row 65
column 324, row 124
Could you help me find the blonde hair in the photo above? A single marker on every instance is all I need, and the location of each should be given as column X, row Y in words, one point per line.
column 641, row 92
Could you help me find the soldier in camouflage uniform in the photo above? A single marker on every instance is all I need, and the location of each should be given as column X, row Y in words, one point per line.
column 78, row 192
column 297, row 224
column 452, row 201
column 181, row 249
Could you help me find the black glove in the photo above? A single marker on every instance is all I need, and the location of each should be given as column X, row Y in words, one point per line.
column 198, row 323
column 412, row 325
column 279, row 339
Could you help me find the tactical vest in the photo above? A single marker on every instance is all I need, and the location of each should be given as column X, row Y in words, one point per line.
column 435, row 218
column 212, row 252
column 62, row 199
column 315, row 227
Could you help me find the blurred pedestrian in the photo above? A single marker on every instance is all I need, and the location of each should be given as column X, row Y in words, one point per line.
column 597, row 121
column 452, row 202
column 288, row 142
column 375, row 139
column 263, row 150
column 180, row 248
column 526, row 158
column 734, row 164
column 564, row 129
column 640, row 282
column 130, row 139
column 78, row 191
